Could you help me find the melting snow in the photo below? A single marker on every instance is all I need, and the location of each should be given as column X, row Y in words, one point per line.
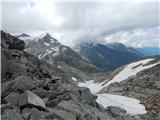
column 74, row 79
column 123, row 75
column 56, row 49
column 52, row 40
column 94, row 87
column 129, row 71
column 43, row 55
column 59, row 66
column 46, row 44
column 131, row 105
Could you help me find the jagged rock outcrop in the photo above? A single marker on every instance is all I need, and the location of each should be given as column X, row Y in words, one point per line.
column 11, row 42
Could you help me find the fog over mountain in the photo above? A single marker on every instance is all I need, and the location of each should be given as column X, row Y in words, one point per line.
column 131, row 23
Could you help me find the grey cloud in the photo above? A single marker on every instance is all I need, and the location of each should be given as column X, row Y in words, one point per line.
column 86, row 21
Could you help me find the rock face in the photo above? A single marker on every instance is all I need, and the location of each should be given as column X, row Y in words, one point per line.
column 11, row 42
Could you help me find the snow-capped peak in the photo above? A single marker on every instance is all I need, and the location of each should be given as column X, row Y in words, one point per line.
column 45, row 35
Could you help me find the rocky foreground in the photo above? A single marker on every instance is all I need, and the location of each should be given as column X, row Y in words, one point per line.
column 34, row 90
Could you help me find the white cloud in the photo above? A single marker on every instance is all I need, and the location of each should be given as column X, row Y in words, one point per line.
column 72, row 22
column 137, row 37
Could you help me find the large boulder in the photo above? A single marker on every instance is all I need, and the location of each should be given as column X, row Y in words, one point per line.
column 31, row 99
column 116, row 111
column 43, row 93
column 86, row 96
column 33, row 114
column 63, row 115
column 23, row 83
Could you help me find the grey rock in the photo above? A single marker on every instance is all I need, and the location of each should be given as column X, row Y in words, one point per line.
column 26, row 113
column 23, row 83
column 70, row 106
column 11, row 42
column 4, row 64
column 86, row 96
column 35, row 114
column 157, row 85
column 6, row 88
column 29, row 98
column 5, row 107
column 12, row 98
column 11, row 114
column 64, row 115
column 116, row 111
column 43, row 93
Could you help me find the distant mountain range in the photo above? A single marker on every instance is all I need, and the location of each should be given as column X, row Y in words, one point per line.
column 108, row 56
column 90, row 55
column 47, row 48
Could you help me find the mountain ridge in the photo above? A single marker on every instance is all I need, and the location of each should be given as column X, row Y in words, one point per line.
column 49, row 49
column 109, row 56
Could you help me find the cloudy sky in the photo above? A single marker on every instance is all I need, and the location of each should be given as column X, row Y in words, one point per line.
column 132, row 23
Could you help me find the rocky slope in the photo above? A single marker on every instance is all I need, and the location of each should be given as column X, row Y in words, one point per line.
column 108, row 56
column 35, row 90
column 32, row 89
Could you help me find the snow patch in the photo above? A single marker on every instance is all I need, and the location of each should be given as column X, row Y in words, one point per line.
column 46, row 44
column 74, row 79
column 131, row 105
column 123, row 75
column 56, row 49
column 64, row 49
column 52, row 41
column 59, row 66
column 43, row 55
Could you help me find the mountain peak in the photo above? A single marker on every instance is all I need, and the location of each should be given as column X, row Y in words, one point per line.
column 23, row 35
column 46, row 35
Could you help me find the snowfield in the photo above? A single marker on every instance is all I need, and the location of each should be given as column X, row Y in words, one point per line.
column 131, row 105
column 129, row 70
